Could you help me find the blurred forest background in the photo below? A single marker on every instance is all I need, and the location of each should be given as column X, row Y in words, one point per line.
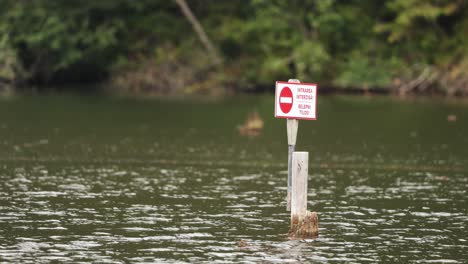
column 154, row 47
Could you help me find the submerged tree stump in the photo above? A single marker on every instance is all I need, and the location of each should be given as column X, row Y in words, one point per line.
column 304, row 224
column 305, row 227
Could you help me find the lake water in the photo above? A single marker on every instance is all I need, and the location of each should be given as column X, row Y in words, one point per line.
column 86, row 179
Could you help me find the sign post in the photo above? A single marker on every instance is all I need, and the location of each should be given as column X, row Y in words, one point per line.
column 292, row 126
column 294, row 100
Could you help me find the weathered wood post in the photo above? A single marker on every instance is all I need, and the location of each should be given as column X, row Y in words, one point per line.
column 304, row 224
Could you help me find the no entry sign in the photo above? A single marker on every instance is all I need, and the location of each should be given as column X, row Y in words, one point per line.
column 295, row 100
column 286, row 100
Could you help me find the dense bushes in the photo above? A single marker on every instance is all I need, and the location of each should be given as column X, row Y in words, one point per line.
column 148, row 46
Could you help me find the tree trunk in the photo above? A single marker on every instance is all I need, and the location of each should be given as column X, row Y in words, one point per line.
column 216, row 59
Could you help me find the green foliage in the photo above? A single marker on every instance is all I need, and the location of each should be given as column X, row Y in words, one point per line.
column 414, row 15
column 50, row 36
column 281, row 39
column 8, row 60
column 367, row 72
column 422, row 28
column 346, row 43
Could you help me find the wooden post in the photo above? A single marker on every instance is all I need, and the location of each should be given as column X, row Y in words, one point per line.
column 292, row 127
column 304, row 224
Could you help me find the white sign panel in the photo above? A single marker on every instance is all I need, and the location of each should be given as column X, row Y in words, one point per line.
column 296, row 100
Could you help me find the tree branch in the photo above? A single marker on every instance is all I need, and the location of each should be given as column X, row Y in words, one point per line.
column 200, row 32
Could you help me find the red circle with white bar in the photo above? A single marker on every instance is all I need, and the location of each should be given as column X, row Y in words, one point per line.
column 286, row 100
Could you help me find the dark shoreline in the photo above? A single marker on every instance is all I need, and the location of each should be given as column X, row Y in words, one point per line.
column 106, row 90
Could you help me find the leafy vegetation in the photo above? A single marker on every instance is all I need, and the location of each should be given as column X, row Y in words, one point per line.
column 148, row 46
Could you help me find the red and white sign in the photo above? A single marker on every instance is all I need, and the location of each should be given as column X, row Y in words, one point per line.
column 296, row 100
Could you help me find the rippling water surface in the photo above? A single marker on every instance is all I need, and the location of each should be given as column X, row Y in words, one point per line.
column 113, row 180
